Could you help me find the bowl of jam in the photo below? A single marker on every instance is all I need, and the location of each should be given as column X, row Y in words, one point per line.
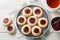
column 51, row 5
column 56, row 24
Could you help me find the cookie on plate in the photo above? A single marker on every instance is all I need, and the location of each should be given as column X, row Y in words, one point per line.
column 27, row 11
column 26, row 29
column 43, row 22
column 38, row 12
column 36, row 31
column 21, row 20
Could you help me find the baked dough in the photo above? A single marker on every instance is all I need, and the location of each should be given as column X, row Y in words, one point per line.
column 43, row 22
column 38, row 12
column 7, row 21
column 26, row 29
column 27, row 11
column 32, row 20
column 11, row 29
column 36, row 31
column 22, row 20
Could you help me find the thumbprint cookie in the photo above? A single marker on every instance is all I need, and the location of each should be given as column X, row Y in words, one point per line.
column 36, row 31
column 11, row 28
column 21, row 20
column 43, row 22
column 27, row 11
column 32, row 20
column 37, row 11
column 7, row 21
column 26, row 29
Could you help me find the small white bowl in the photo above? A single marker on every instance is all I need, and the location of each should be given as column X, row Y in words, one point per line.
column 45, row 5
column 52, row 30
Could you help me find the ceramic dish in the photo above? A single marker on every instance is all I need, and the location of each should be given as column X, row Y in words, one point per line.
column 44, row 15
column 44, row 2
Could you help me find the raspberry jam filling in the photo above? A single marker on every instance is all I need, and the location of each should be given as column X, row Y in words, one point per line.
column 5, row 20
column 10, row 28
column 43, row 22
column 32, row 20
column 26, row 29
column 36, row 30
column 21, row 19
column 27, row 11
column 56, row 23
column 37, row 11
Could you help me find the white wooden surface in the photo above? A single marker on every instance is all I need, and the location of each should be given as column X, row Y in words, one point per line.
column 8, row 6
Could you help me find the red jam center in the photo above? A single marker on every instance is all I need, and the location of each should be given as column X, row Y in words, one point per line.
column 53, row 3
column 5, row 20
column 26, row 29
column 56, row 23
column 43, row 22
column 10, row 28
column 27, row 11
column 36, row 30
column 32, row 20
column 21, row 19
column 37, row 11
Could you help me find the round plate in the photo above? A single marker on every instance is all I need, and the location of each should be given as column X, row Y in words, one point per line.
column 44, row 15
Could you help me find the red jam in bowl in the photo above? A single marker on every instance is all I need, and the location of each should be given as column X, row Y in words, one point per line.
column 27, row 11
column 10, row 28
column 43, row 22
column 56, row 23
column 21, row 19
column 5, row 20
column 26, row 29
column 53, row 3
column 32, row 20
column 36, row 30
column 37, row 11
